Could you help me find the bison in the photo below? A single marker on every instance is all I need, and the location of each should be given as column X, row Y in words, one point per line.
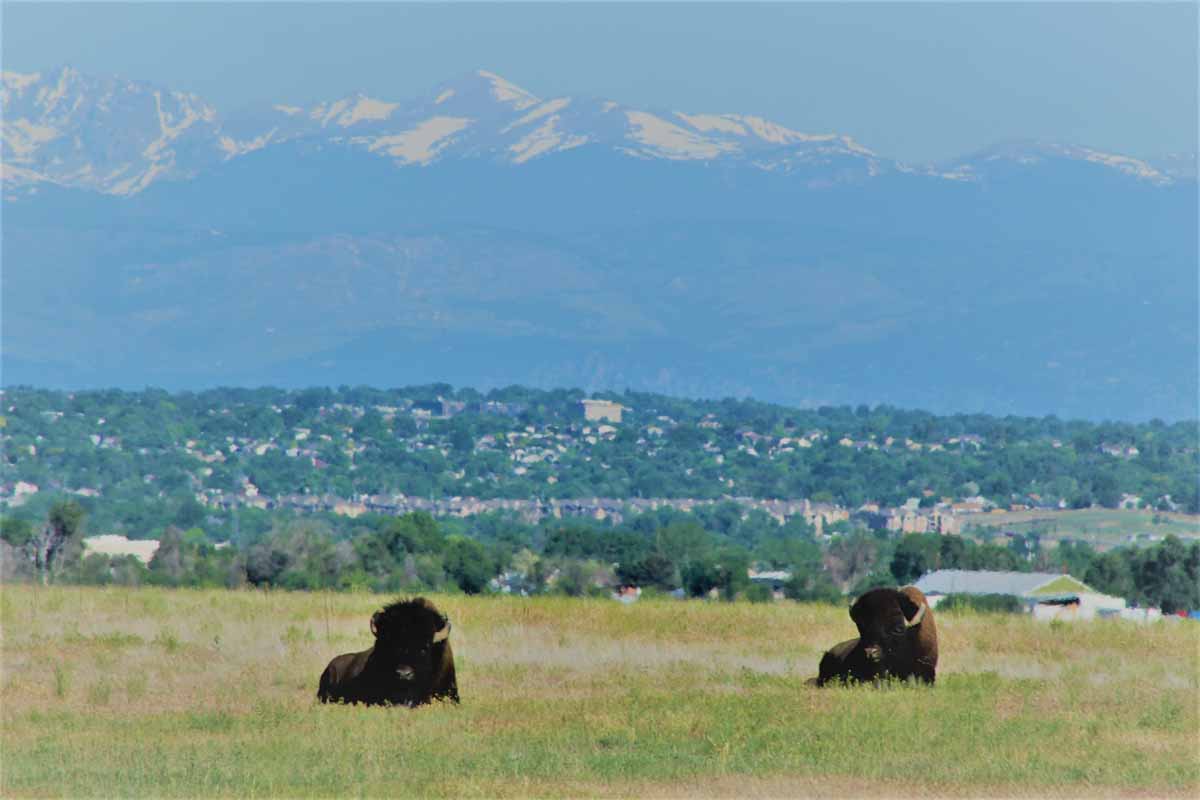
column 411, row 663
column 897, row 637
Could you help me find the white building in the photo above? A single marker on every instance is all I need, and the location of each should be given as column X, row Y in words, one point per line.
column 112, row 544
column 1046, row 595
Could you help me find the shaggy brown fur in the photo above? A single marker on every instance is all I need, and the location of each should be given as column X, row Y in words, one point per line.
column 897, row 638
column 410, row 664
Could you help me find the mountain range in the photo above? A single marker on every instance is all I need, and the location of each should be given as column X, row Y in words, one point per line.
column 483, row 235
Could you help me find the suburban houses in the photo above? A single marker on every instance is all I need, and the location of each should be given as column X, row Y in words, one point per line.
column 458, row 456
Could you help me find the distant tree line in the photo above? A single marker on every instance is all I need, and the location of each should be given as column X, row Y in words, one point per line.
column 708, row 553
column 1166, row 575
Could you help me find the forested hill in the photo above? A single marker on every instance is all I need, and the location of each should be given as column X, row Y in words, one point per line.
column 153, row 452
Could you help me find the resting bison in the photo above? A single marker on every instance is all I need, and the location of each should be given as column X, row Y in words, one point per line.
column 897, row 637
column 410, row 664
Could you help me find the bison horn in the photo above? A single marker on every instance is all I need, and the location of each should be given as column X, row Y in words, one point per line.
column 920, row 615
column 443, row 634
column 374, row 624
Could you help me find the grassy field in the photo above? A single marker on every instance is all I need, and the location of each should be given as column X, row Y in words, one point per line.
column 1099, row 526
column 120, row 693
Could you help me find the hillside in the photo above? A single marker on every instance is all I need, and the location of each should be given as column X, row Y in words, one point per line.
column 143, row 458
column 154, row 241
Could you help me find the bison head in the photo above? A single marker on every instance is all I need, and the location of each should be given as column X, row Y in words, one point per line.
column 887, row 621
column 410, row 638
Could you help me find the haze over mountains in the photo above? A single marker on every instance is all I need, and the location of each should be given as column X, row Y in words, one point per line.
column 483, row 235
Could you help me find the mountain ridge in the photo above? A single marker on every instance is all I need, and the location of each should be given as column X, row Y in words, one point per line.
column 171, row 135
column 1045, row 278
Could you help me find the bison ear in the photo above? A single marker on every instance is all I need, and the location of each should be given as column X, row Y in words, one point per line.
column 914, row 609
column 375, row 624
column 443, row 634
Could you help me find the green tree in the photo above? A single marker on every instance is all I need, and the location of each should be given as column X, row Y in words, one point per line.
column 167, row 565
column 1110, row 573
column 1075, row 557
column 17, row 532
column 725, row 570
column 574, row 578
column 917, row 554
column 415, row 532
column 759, row 593
column 851, row 556
column 683, row 542
column 1106, row 489
column 1168, row 575
column 467, row 564
column 653, row 570
column 812, row 586
column 64, row 526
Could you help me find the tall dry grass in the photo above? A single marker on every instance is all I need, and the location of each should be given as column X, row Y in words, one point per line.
column 116, row 692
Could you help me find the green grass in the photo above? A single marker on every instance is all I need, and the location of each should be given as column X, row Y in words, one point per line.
column 196, row 694
column 1099, row 526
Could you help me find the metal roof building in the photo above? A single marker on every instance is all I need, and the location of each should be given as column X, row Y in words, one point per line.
column 1021, row 584
column 1047, row 594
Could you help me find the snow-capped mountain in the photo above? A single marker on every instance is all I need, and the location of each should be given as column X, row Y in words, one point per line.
column 1031, row 154
column 105, row 134
column 483, row 235
column 118, row 136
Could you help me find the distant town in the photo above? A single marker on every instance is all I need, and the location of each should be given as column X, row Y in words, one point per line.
column 555, row 455
column 528, row 491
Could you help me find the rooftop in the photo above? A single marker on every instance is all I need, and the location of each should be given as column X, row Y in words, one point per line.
column 948, row 581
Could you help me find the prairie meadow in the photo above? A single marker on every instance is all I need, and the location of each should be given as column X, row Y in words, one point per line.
column 179, row 693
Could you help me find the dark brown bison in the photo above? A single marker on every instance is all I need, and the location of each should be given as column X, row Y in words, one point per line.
column 897, row 638
column 410, row 664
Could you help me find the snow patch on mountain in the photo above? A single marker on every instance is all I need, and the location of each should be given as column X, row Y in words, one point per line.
column 367, row 109
column 235, row 148
column 855, row 147
column 713, row 122
column 545, row 139
column 541, row 111
column 1034, row 153
column 22, row 137
column 48, row 97
column 507, row 92
column 1177, row 165
column 172, row 123
column 137, row 183
column 777, row 134
column 963, row 173
column 421, row 144
column 18, row 82
column 9, row 173
column 325, row 113
column 1130, row 166
column 668, row 140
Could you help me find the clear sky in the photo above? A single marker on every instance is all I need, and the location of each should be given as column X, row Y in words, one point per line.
column 913, row 81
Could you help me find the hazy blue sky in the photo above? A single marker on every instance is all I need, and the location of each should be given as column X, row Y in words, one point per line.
column 912, row 81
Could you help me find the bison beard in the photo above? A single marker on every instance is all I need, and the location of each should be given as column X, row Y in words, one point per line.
column 897, row 638
column 410, row 664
